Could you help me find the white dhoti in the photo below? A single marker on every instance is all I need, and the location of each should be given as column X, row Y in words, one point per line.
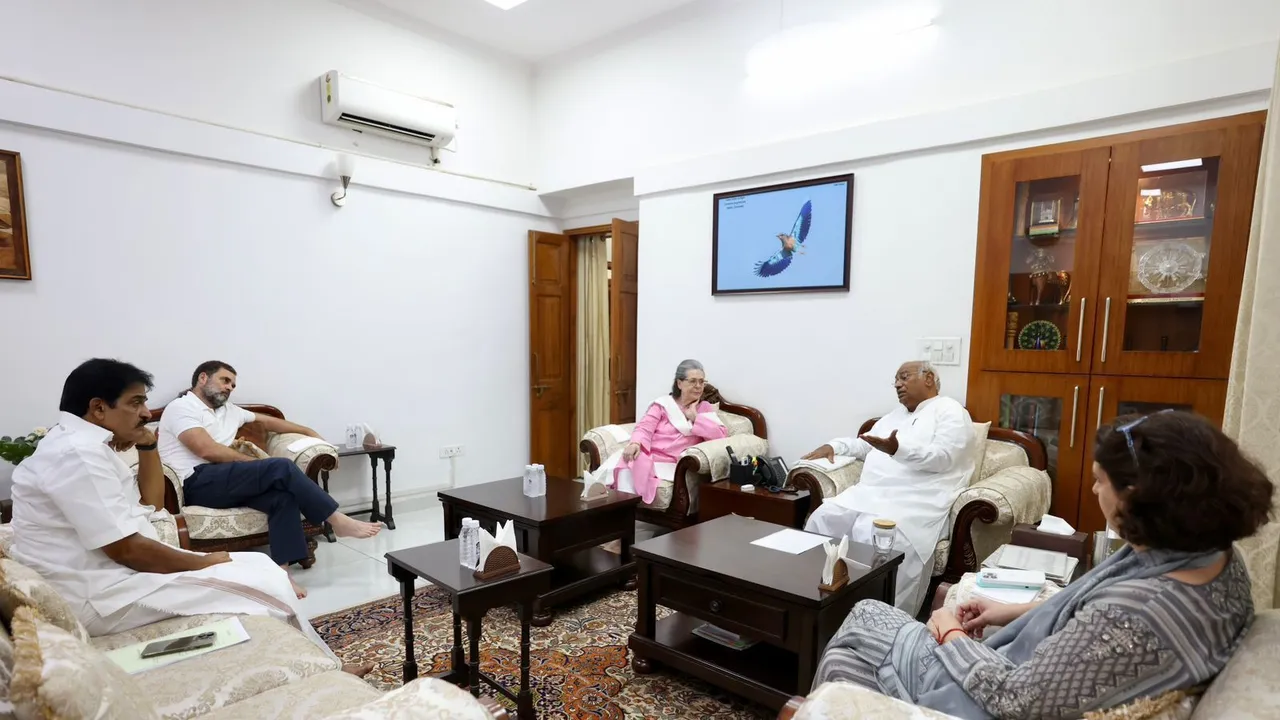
column 834, row 520
column 251, row 584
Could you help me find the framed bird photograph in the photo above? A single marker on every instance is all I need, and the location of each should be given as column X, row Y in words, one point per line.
column 783, row 238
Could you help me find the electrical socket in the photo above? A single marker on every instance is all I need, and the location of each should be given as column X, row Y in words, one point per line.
column 939, row 351
column 451, row 451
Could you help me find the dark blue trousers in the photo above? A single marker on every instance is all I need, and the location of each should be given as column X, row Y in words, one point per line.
column 276, row 487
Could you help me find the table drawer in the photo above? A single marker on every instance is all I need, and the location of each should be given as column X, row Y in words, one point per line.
column 722, row 605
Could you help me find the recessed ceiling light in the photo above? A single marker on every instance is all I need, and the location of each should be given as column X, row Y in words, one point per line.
column 505, row 4
column 1175, row 165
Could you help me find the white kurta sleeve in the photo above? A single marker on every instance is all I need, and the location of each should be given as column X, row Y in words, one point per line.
column 952, row 442
column 90, row 492
column 857, row 448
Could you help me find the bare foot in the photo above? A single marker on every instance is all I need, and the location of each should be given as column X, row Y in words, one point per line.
column 298, row 590
column 346, row 526
column 358, row 670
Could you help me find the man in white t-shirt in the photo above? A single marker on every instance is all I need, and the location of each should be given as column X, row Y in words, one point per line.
column 83, row 522
column 196, row 431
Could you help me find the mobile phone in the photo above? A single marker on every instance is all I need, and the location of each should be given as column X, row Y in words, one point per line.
column 177, row 645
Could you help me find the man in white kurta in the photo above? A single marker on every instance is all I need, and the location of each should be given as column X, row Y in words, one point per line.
column 917, row 460
column 76, row 505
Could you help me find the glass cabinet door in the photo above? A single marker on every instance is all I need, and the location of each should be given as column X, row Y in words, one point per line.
column 1114, row 397
column 1043, row 222
column 1048, row 407
column 1174, row 250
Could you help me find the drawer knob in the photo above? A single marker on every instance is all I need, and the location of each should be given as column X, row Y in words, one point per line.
column 716, row 606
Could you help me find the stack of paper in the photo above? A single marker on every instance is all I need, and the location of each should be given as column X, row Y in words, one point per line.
column 720, row 636
column 1010, row 596
column 1056, row 566
column 228, row 632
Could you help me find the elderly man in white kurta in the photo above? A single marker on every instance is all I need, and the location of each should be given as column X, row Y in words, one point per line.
column 83, row 523
column 917, row 461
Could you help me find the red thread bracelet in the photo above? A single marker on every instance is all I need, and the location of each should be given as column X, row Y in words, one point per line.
column 947, row 634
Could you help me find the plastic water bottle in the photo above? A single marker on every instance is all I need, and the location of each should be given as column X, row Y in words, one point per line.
column 539, row 481
column 469, row 543
column 530, row 473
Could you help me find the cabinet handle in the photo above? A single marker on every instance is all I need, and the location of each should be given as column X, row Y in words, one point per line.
column 1102, row 394
column 1075, row 405
column 1080, row 330
column 716, row 606
column 1106, row 327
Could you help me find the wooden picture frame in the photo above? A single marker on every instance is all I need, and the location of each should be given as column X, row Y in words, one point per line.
column 15, row 260
column 761, row 246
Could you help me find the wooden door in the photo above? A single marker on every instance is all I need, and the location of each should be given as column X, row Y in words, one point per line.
column 1039, row 236
column 1111, row 397
column 1178, row 215
column 622, row 321
column 1049, row 407
column 552, row 352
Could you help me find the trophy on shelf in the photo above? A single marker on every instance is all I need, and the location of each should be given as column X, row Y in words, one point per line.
column 1044, row 226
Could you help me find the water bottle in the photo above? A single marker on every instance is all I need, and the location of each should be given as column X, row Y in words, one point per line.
column 475, row 544
column 529, row 475
column 467, row 543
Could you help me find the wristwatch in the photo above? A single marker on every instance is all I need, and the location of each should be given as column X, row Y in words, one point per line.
column 146, row 448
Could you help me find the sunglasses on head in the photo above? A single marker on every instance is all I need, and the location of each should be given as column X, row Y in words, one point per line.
column 1127, row 430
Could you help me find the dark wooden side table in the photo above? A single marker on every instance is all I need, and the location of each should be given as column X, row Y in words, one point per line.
column 724, row 498
column 385, row 453
column 711, row 573
column 471, row 599
column 559, row 528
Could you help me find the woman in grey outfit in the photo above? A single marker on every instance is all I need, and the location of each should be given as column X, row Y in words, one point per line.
column 1164, row 613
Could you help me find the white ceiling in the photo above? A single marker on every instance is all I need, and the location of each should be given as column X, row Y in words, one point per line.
column 536, row 29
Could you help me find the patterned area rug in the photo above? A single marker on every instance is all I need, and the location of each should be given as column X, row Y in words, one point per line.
column 580, row 667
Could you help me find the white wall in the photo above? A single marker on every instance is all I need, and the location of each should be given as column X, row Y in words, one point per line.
column 169, row 241
column 254, row 65
column 678, row 92
column 818, row 365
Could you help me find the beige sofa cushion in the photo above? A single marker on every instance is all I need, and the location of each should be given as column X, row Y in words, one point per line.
column 21, row 586
column 56, row 675
column 6, row 674
column 425, row 699
column 223, row 524
column 314, row 698
column 147, row 633
column 276, row 654
column 1248, row 688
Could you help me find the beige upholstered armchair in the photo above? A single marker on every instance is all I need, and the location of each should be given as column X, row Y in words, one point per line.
column 236, row 529
column 1010, row 487
column 676, row 504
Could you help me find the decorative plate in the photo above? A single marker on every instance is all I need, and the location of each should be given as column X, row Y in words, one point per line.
column 1170, row 268
column 1040, row 335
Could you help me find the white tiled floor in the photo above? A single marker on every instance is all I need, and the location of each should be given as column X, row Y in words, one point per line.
column 351, row 572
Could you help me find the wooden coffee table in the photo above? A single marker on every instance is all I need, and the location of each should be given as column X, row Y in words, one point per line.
column 471, row 599
column 558, row 528
column 711, row 573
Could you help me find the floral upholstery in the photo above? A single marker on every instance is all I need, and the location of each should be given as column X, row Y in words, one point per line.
column 56, row 675
column 213, row 524
column 130, row 458
column 1020, row 493
column 276, row 654
column 166, row 527
column 21, row 586
column 315, row 698
column 6, row 674
column 711, row 456
column 6, row 540
column 846, row 701
column 425, row 699
column 278, row 446
column 146, row 633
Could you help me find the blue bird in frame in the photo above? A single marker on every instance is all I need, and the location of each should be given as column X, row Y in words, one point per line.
column 791, row 244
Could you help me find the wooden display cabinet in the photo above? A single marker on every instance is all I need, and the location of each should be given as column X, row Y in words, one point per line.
column 1111, row 265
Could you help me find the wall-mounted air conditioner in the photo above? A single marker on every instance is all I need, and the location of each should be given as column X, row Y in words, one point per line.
column 359, row 105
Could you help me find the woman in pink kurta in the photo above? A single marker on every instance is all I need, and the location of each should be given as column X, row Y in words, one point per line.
column 672, row 424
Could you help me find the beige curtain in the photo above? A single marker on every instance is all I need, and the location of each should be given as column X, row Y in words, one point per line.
column 1253, row 395
column 593, row 335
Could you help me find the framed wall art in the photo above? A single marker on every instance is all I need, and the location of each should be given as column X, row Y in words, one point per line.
column 15, row 261
column 794, row 237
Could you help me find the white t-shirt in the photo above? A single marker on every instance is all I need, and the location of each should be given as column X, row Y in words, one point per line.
column 73, row 497
column 188, row 412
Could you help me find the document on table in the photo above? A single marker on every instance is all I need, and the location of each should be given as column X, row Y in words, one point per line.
column 791, row 541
